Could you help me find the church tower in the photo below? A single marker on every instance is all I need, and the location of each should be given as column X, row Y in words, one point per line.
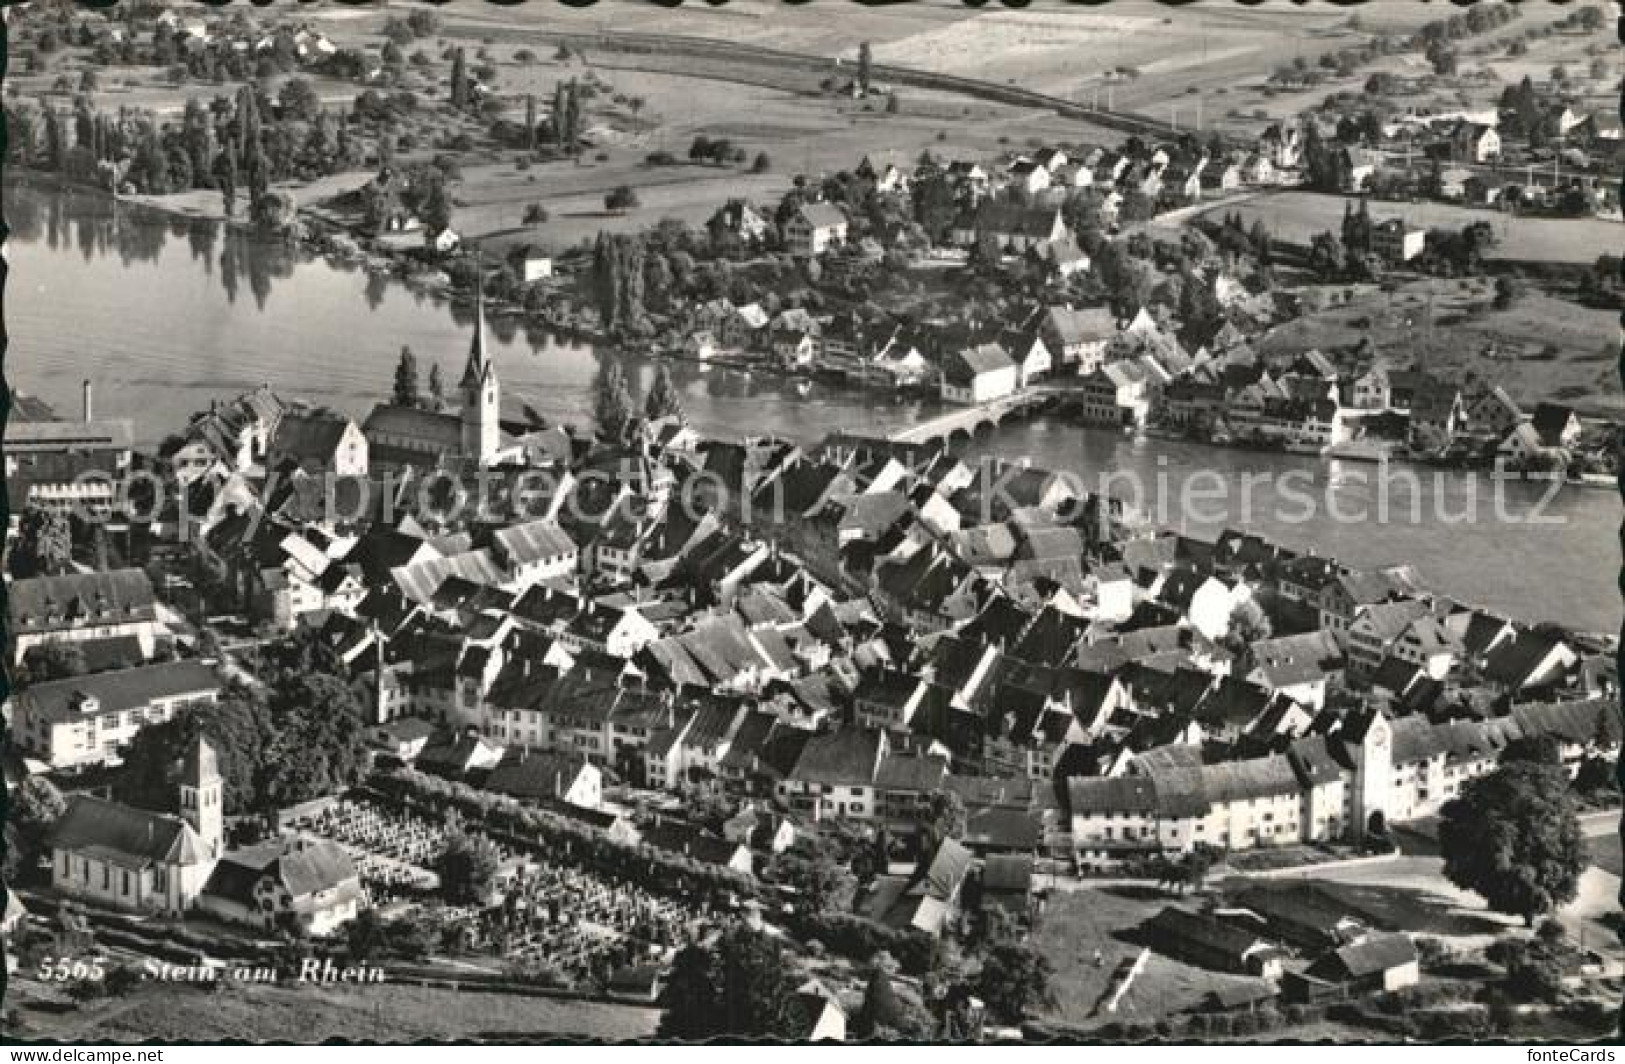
column 203, row 797
column 482, row 396
column 1373, row 778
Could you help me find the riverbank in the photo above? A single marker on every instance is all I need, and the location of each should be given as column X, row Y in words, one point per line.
column 311, row 329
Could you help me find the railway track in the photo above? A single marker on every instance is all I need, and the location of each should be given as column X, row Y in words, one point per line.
column 635, row 43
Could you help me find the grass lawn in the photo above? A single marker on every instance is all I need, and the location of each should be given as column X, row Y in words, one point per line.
column 1076, row 923
column 311, row 1013
column 1604, row 852
column 1296, row 217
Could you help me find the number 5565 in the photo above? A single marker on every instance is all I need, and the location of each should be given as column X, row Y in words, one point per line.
column 63, row 969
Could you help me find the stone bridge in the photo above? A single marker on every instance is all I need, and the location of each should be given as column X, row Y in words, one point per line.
column 962, row 423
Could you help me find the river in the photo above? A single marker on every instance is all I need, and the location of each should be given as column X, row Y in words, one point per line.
column 164, row 315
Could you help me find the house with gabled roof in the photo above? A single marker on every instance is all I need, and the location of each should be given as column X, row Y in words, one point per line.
column 1118, row 394
column 814, row 228
column 1343, row 597
column 835, row 775
column 85, row 720
column 318, row 442
column 538, row 774
column 1558, row 425
column 1376, row 962
column 1210, row 943
column 979, row 374
column 1297, row 666
column 305, row 882
column 82, row 608
column 1078, row 337
column 1014, row 227
column 1493, row 414
column 1028, row 175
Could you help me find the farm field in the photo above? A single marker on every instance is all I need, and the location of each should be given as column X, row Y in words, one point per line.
column 172, row 1012
column 1296, row 217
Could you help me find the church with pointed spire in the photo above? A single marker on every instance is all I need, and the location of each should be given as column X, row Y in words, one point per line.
column 482, row 397
column 474, row 435
column 136, row 860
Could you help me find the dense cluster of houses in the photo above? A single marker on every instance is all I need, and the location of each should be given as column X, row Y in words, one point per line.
column 835, row 632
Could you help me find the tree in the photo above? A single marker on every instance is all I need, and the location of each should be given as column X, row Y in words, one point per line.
column 1326, row 255
column 1015, row 978
column 1319, row 161
column 567, row 115
column 238, row 726
column 1249, row 623
column 762, row 164
column 36, row 804
column 467, row 864
column 1534, row 968
column 935, row 206
column 1542, row 749
column 1200, row 315
column 298, row 100
column 1357, row 227
column 662, row 400
column 55, row 145
column 1512, row 837
column 821, row 881
column 1443, row 60
column 945, row 818
column 459, row 80
column 44, row 545
column 1506, row 292
column 406, row 380
column 364, row 936
column 621, row 199
column 885, row 1016
column 865, row 67
column 423, row 23
column 274, row 212
column 318, row 745
column 436, row 207
column 437, row 388
column 741, row 987
column 618, row 283
column 612, row 402
column 54, row 660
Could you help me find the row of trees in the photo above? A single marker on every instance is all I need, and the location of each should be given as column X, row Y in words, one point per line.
column 406, row 391
column 1434, row 39
column 229, row 145
column 614, row 409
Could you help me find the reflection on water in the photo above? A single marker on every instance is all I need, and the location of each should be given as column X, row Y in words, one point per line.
column 165, row 315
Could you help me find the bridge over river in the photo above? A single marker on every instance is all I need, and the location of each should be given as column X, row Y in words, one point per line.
column 964, row 422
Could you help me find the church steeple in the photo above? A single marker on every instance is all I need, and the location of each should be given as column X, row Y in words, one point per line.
column 481, row 391
column 478, row 363
column 201, row 798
